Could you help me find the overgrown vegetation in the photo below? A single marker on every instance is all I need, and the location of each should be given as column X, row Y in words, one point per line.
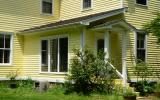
column 26, row 92
column 143, row 85
column 90, row 73
column 154, row 27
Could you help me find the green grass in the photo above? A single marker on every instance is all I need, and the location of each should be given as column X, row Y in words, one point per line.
column 56, row 93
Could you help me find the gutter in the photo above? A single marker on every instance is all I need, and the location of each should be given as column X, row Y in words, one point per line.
column 48, row 28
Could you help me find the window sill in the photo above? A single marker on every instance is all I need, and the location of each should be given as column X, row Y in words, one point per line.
column 86, row 9
column 46, row 14
column 57, row 73
column 141, row 5
column 5, row 65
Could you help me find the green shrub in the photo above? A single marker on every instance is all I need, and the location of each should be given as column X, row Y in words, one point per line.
column 90, row 73
column 142, row 72
column 145, row 87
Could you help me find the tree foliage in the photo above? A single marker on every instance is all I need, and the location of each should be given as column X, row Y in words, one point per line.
column 154, row 27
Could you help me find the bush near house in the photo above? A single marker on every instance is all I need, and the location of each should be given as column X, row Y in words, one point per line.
column 90, row 73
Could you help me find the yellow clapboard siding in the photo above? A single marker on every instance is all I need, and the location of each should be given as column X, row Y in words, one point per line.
column 72, row 8
column 138, row 16
column 16, row 15
column 32, row 52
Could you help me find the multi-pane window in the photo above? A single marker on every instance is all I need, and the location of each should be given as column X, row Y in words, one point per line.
column 54, row 55
column 47, row 6
column 5, row 48
column 142, row 2
column 87, row 4
column 141, row 47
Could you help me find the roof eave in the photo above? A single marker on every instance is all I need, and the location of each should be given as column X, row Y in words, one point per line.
column 85, row 22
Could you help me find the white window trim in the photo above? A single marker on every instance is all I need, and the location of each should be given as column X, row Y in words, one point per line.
column 86, row 9
column 11, row 50
column 46, row 14
column 146, row 40
column 145, row 46
column 142, row 4
column 49, row 38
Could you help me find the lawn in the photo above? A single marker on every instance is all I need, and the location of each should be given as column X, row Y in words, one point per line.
column 56, row 93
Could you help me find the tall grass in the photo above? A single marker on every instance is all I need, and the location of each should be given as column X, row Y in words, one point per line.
column 54, row 93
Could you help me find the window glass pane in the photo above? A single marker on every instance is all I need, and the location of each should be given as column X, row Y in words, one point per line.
column 142, row 44
column 86, row 3
column 44, row 58
column 1, row 56
column 143, row 2
column 140, row 40
column 44, row 55
column 63, row 47
column 141, row 55
column 44, row 45
column 6, row 56
column 100, row 45
column 7, row 41
column 141, row 47
column 138, row 46
column 47, row 6
column 1, row 41
column 54, row 54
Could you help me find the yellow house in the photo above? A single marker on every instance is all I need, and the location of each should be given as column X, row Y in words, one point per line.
column 38, row 36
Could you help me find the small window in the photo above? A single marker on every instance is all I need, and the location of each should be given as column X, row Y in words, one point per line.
column 141, row 47
column 141, row 2
column 87, row 4
column 5, row 48
column 47, row 6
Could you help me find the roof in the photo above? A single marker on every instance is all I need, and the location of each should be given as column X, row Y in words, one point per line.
column 84, row 20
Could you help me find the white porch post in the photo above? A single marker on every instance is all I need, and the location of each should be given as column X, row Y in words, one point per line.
column 106, row 45
column 124, row 47
column 83, row 37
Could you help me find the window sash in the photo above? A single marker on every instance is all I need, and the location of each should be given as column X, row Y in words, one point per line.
column 87, row 4
column 5, row 49
column 47, row 6
column 141, row 2
column 55, row 57
column 141, row 47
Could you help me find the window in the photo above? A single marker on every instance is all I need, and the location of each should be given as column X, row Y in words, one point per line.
column 142, row 2
column 47, row 6
column 87, row 4
column 5, row 48
column 141, row 47
column 54, row 55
